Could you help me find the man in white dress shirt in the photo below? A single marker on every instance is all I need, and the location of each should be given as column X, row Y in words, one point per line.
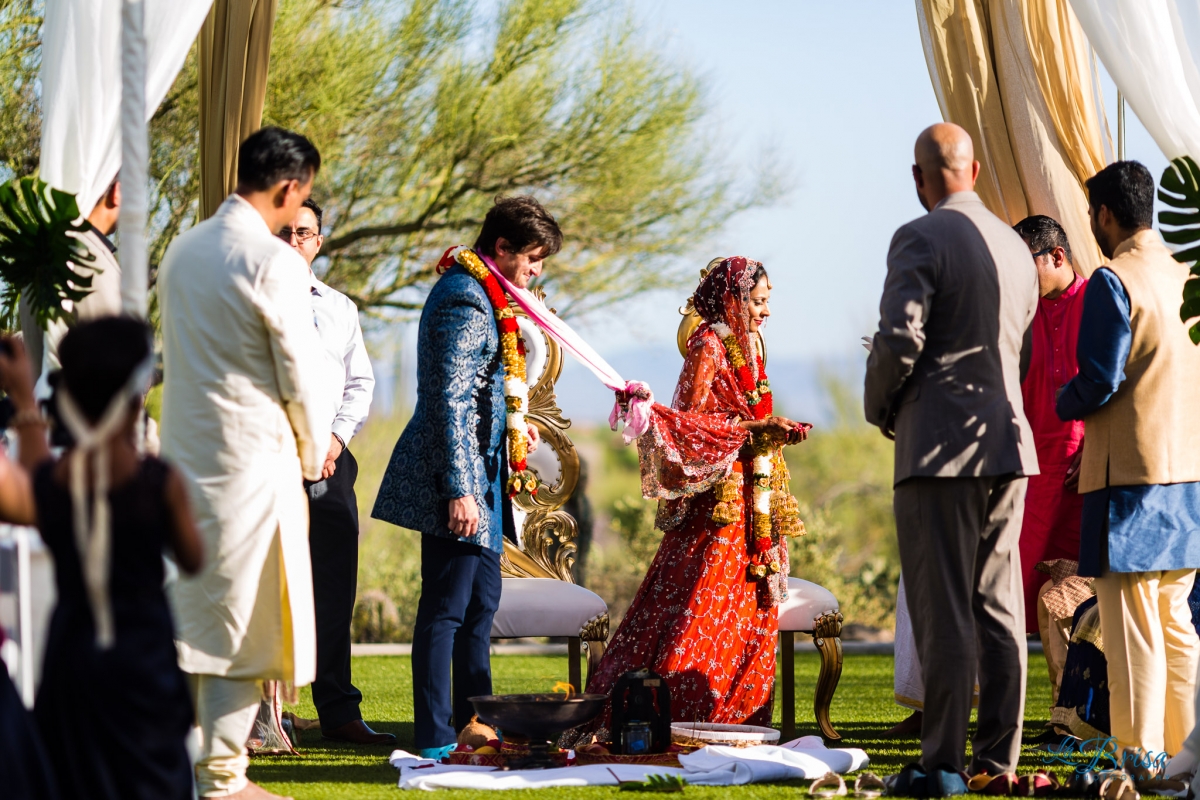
column 246, row 421
column 333, row 508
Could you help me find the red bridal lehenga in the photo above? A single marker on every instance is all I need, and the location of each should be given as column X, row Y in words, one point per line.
column 705, row 617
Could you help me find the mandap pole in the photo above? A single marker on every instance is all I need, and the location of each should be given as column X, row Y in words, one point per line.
column 135, row 160
column 1120, row 127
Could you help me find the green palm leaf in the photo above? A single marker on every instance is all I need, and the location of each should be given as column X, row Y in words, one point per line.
column 1180, row 189
column 37, row 252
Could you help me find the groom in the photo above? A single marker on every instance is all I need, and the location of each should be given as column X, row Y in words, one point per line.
column 448, row 471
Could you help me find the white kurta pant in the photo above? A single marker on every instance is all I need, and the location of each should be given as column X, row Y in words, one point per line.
column 225, row 712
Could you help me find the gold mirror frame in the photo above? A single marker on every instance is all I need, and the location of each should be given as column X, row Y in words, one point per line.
column 549, row 532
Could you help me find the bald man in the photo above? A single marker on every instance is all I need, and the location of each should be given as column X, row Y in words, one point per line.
column 944, row 380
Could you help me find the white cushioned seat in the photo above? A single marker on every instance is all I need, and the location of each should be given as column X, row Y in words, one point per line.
column 544, row 607
column 806, row 601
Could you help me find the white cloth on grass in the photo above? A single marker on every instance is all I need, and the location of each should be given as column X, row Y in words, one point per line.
column 806, row 757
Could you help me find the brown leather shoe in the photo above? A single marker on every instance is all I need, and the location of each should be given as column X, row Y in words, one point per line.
column 252, row 791
column 908, row 727
column 357, row 732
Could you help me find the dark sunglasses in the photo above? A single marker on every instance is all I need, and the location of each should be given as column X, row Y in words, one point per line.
column 1045, row 252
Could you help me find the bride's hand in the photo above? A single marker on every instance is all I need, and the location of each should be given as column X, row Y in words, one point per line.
column 779, row 429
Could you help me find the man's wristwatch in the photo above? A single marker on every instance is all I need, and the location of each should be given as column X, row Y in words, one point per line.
column 340, row 440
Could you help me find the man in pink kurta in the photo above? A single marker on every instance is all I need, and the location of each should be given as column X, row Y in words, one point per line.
column 1052, row 509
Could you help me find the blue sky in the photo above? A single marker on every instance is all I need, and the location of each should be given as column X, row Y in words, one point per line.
column 840, row 91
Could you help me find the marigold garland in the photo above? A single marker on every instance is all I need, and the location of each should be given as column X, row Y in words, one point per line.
column 512, row 354
column 775, row 510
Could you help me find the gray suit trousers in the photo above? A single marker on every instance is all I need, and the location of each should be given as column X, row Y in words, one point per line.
column 962, row 572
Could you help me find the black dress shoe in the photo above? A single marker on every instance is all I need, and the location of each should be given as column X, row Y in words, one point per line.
column 357, row 732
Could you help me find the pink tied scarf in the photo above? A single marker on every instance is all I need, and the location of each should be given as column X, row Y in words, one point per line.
column 634, row 399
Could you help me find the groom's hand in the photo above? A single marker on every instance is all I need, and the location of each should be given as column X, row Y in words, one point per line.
column 535, row 437
column 464, row 516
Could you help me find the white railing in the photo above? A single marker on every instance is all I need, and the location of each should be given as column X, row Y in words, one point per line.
column 27, row 598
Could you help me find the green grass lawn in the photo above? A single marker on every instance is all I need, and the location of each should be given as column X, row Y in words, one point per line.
column 862, row 710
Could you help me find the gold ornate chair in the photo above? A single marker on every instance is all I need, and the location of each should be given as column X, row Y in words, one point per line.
column 539, row 595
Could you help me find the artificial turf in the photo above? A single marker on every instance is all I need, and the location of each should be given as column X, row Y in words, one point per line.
column 862, row 710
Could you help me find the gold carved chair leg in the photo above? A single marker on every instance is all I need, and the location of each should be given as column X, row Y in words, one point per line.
column 595, row 636
column 787, row 713
column 827, row 636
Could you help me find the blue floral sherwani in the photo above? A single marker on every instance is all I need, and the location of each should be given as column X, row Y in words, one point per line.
column 454, row 445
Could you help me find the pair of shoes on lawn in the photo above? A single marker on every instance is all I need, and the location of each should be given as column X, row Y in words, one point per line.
column 866, row 786
column 1039, row 784
column 915, row 781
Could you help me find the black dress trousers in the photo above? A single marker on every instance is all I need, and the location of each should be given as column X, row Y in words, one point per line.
column 333, row 544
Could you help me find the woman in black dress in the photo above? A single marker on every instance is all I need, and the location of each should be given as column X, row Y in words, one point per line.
column 113, row 707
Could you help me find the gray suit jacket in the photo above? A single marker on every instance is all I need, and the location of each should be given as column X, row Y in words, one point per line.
column 944, row 370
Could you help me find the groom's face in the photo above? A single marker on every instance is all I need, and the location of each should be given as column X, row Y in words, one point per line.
column 519, row 267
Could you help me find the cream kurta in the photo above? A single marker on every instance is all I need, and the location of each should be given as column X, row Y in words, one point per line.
column 242, row 412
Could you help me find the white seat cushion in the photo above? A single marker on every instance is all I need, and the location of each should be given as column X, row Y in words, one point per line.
column 544, row 607
column 806, row 601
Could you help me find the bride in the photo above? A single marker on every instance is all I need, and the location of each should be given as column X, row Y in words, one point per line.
column 705, row 616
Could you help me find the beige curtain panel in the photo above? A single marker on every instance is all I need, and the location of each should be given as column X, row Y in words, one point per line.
column 1018, row 75
column 235, row 50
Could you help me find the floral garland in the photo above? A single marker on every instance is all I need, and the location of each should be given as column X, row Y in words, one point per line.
column 771, row 500
column 512, row 353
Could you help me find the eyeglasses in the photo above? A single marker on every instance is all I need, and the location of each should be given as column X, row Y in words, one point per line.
column 302, row 235
column 1045, row 252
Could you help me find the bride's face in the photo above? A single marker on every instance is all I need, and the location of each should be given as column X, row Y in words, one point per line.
column 759, row 311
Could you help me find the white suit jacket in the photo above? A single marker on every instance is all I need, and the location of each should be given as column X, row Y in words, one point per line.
column 244, row 419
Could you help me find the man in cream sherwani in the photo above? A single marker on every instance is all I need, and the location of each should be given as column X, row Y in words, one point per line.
column 244, row 419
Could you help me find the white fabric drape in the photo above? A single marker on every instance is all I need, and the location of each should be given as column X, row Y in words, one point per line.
column 81, row 84
column 135, row 159
column 1151, row 48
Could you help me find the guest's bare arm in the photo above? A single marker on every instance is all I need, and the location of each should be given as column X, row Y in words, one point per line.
column 16, row 494
column 16, row 378
column 185, row 538
column 17, row 503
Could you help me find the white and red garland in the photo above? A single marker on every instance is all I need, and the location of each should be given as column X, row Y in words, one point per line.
column 512, row 353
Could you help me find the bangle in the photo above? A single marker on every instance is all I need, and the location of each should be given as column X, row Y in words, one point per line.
column 30, row 416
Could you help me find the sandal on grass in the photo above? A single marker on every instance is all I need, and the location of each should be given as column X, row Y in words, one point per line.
column 1118, row 785
column 1039, row 784
column 868, row 786
column 828, row 785
column 1001, row 785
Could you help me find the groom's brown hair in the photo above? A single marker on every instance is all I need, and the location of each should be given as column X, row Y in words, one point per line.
column 523, row 223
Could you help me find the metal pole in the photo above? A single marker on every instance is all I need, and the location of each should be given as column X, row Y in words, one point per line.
column 1120, row 127
column 135, row 160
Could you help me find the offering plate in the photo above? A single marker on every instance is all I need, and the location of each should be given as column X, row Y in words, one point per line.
column 541, row 717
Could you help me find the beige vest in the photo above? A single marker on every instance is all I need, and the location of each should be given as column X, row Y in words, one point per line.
column 1149, row 431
